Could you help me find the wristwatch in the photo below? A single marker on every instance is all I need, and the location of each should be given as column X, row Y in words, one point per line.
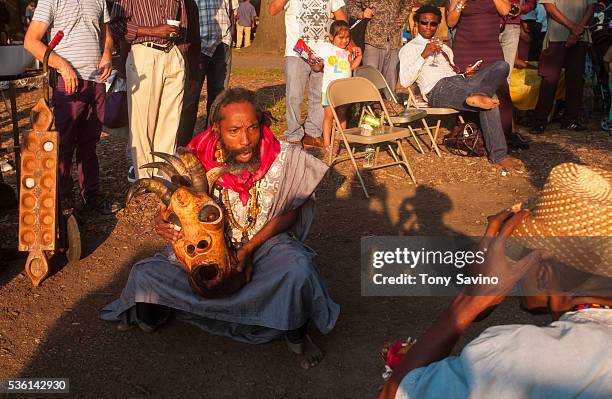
column 514, row 10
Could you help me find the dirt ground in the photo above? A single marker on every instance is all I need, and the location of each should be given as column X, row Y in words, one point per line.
column 53, row 330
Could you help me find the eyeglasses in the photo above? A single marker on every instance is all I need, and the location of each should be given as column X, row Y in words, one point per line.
column 430, row 23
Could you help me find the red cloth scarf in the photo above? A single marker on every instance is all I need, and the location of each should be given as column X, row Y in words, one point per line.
column 205, row 145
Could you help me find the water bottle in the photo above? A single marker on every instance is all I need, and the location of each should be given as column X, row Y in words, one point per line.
column 370, row 153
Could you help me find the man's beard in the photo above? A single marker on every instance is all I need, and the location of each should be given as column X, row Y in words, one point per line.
column 237, row 168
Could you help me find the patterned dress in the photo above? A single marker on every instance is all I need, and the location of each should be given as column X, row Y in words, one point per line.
column 477, row 35
column 477, row 38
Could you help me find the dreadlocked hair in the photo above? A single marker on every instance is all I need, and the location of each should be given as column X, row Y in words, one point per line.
column 238, row 95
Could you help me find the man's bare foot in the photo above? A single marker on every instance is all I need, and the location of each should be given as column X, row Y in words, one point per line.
column 480, row 101
column 511, row 164
column 307, row 352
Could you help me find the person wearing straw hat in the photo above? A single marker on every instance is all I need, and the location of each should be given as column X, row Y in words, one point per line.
column 568, row 271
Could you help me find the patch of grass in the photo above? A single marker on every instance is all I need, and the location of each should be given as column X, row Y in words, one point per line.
column 260, row 73
column 279, row 122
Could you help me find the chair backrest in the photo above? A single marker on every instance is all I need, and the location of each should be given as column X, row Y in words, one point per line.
column 412, row 99
column 354, row 90
column 373, row 75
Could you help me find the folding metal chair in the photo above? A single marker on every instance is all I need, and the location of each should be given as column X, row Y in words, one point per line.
column 360, row 90
column 411, row 114
column 434, row 112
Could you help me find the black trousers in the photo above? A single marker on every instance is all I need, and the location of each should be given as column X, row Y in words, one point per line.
column 552, row 60
column 216, row 71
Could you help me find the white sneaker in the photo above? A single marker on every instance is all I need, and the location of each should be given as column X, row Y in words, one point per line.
column 5, row 166
column 131, row 177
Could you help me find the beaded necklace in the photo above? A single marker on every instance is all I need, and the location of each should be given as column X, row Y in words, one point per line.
column 584, row 306
column 252, row 212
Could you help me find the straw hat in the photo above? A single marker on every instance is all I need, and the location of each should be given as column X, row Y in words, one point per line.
column 572, row 218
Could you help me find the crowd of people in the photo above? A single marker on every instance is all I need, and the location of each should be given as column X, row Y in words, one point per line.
column 170, row 51
column 267, row 189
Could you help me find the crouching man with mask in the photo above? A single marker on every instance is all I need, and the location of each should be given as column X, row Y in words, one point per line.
column 267, row 197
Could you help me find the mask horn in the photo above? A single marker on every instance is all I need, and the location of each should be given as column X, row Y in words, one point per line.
column 169, row 171
column 153, row 185
column 213, row 174
column 174, row 161
column 197, row 173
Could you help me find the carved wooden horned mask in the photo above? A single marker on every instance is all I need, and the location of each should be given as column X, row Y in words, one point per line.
column 203, row 248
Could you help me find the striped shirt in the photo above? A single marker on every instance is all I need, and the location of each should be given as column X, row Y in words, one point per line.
column 82, row 22
column 216, row 23
column 128, row 15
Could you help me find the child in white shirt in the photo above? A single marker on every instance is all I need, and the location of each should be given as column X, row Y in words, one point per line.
column 338, row 62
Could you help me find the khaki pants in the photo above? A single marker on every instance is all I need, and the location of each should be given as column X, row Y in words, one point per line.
column 509, row 40
column 240, row 31
column 156, row 81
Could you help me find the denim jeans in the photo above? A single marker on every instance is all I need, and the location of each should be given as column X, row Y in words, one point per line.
column 297, row 73
column 452, row 92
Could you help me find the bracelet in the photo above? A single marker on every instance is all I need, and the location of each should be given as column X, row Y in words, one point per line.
column 460, row 6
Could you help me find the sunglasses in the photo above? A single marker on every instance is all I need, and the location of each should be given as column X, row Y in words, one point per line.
column 430, row 23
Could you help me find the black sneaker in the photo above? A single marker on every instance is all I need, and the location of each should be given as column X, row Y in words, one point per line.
column 66, row 207
column 575, row 126
column 517, row 142
column 537, row 129
column 101, row 205
column 131, row 177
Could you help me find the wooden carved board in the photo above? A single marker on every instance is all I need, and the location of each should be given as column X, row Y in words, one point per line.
column 38, row 201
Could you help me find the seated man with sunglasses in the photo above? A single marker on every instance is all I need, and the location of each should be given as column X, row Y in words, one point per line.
column 430, row 64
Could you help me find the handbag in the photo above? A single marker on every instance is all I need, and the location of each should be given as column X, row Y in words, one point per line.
column 465, row 139
column 115, row 108
column 358, row 32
